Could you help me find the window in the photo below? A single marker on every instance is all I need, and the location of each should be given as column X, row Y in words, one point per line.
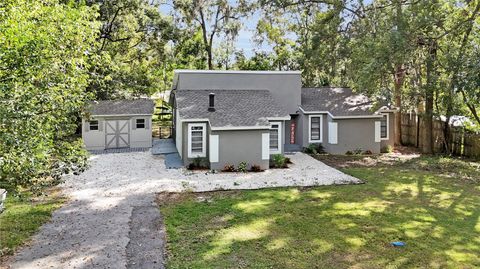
column 275, row 138
column 315, row 134
column 93, row 125
column 196, row 140
column 384, row 127
column 140, row 123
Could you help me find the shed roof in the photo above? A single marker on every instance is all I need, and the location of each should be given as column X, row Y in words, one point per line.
column 337, row 101
column 233, row 108
column 122, row 107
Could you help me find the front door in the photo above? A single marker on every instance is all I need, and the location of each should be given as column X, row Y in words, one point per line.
column 117, row 134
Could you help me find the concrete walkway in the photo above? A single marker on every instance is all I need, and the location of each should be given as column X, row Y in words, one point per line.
column 112, row 221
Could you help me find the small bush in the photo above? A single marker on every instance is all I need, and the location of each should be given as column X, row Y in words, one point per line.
column 242, row 167
column 367, row 152
column 357, row 151
column 387, row 149
column 314, row 149
column 279, row 161
column 199, row 163
column 256, row 168
column 288, row 161
column 348, row 152
column 228, row 168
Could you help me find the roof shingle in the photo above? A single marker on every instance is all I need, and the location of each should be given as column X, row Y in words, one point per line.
column 337, row 101
column 233, row 108
column 121, row 107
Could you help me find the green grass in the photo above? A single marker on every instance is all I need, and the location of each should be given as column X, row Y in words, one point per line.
column 22, row 218
column 435, row 211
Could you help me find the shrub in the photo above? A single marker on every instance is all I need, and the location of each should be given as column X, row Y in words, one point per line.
column 199, row 163
column 357, row 151
column 228, row 168
column 348, row 152
column 367, row 152
column 256, row 168
column 288, row 161
column 314, row 149
column 279, row 161
column 242, row 167
column 387, row 149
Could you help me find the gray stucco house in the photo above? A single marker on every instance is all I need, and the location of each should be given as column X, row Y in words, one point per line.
column 227, row 117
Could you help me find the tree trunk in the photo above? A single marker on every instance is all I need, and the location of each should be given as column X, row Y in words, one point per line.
column 399, row 78
column 430, row 86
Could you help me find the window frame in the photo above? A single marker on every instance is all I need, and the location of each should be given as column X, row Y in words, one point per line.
column 204, row 140
column 137, row 123
column 387, row 137
column 310, row 140
column 97, row 125
column 279, row 137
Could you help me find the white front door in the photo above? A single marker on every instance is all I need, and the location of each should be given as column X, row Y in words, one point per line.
column 117, row 134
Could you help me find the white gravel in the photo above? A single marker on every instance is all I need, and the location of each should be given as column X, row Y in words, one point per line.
column 91, row 230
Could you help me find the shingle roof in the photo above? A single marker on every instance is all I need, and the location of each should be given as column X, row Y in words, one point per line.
column 337, row 101
column 233, row 108
column 121, row 107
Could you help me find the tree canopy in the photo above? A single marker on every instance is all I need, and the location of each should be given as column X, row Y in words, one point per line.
column 57, row 54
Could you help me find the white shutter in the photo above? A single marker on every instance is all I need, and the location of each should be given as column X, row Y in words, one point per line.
column 214, row 148
column 134, row 124
column 377, row 131
column 265, row 146
column 147, row 123
column 332, row 132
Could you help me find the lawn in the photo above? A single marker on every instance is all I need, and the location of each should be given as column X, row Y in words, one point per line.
column 431, row 203
column 23, row 216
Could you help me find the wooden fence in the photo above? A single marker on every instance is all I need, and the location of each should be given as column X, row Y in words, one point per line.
column 460, row 141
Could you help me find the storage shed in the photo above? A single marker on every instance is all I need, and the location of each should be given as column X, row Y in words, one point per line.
column 118, row 124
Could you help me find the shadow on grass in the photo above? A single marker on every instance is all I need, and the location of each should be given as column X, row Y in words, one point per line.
column 331, row 227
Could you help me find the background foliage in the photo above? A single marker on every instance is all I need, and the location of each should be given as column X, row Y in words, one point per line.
column 56, row 54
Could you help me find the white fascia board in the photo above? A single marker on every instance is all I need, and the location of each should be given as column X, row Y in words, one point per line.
column 190, row 71
column 227, row 127
column 240, row 128
column 374, row 116
column 280, row 118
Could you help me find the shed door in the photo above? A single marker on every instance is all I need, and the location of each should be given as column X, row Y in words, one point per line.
column 117, row 134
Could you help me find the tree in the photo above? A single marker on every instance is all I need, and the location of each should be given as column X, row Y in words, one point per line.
column 214, row 18
column 43, row 74
column 132, row 49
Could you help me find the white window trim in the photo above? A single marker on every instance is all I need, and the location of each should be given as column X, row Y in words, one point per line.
column 310, row 129
column 388, row 127
column 204, row 139
column 279, row 130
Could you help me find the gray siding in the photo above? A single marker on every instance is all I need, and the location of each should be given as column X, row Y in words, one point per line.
column 240, row 145
column 354, row 134
column 351, row 134
column 284, row 87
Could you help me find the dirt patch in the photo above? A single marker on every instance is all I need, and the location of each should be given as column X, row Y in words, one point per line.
column 400, row 155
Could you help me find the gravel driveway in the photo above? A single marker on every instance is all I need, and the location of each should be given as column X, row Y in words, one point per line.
column 112, row 220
